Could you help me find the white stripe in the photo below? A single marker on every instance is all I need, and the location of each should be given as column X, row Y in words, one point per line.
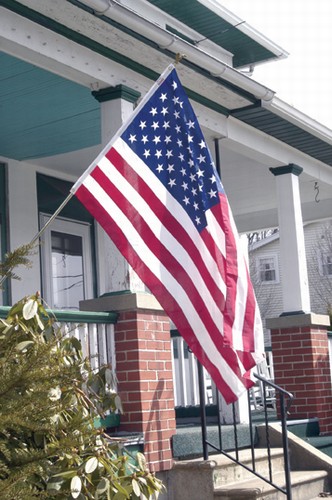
column 166, row 238
column 173, row 287
column 216, row 232
column 173, row 207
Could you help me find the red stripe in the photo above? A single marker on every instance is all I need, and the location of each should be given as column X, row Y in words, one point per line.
column 170, row 222
column 221, row 213
column 161, row 252
column 167, row 301
column 171, row 264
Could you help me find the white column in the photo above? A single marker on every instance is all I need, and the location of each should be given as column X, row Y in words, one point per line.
column 114, row 273
column 294, row 274
column 23, row 225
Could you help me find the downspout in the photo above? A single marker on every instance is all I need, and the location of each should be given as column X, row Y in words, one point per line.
column 113, row 9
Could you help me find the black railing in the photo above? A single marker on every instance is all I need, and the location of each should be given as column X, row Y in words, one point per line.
column 283, row 400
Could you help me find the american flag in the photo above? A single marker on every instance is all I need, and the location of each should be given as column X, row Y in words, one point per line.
column 156, row 192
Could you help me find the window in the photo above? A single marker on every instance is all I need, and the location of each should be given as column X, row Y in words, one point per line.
column 327, row 264
column 66, row 263
column 268, row 272
column 67, row 252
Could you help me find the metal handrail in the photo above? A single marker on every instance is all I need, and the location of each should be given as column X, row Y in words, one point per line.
column 284, row 408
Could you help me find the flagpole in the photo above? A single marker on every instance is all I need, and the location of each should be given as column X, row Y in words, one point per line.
column 201, row 387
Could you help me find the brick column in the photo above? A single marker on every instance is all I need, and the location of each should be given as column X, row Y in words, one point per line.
column 144, row 371
column 302, row 365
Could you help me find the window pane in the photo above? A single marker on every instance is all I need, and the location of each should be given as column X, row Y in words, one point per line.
column 267, row 269
column 67, row 270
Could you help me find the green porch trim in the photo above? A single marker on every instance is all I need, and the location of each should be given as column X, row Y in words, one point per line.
column 3, row 226
column 287, row 169
column 117, row 92
column 74, row 316
column 119, row 58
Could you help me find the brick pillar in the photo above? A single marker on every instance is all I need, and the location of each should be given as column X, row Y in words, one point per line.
column 302, row 365
column 144, row 371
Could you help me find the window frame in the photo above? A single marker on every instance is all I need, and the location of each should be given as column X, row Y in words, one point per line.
column 72, row 227
column 274, row 258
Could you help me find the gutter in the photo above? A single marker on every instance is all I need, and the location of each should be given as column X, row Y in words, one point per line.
column 166, row 40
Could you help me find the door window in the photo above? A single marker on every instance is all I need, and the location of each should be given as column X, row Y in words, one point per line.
column 66, row 263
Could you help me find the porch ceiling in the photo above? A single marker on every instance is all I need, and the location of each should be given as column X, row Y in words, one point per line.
column 53, row 122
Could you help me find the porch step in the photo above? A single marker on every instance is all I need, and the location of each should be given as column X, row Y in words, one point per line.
column 220, row 478
column 306, row 485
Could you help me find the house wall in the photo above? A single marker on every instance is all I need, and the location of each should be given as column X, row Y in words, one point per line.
column 318, row 236
column 269, row 296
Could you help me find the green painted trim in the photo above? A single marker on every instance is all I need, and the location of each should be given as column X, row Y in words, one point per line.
column 111, row 420
column 180, row 35
column 73, row 316
column 120, row 292
column 83, row 316
column 3, row 226
column 117, row 92
column 287, row 169
column 119, row 58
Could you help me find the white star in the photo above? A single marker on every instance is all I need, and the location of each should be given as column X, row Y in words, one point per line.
column 213, row 194
column 202, row 144
column 176, row 114
column 172, row 182
column 200, row 187
column 174, row 85
column 155, row 125
column 191, row 124
column 153, row 111
column 169, row 153
column 191, row 163
column 170, row 168
column 200, row 173
column 156, row 139
column 194, row 191
column 167, row 139
column 183, row 171
column 192, row 177
column 166, row 125
column 213, row 179
column 164, row 111
column 195, row 205
column 201, row 158
column 145, row 139
column 190, row 138
column 163, row 97
column 158, row 153
column 181, row 157
column 179, row 142
column 132, row 138
column 184, row 185
column 186, row 200
column 146, row 153
column 197, row 220
column 159, row 168
column 178, row 128
column 142, row 125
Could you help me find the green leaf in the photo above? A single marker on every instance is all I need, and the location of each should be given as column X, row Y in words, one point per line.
column 91, row 465
column 24, row 345
column 103, row 486
column 136, row 488
column 75, row 486
column 141, row 461
column 30, row 309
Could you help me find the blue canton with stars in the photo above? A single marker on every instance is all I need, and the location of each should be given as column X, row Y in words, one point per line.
column 166, row 135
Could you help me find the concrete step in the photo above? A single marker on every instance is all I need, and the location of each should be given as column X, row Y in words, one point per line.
column 227, row 471
column 306, row 485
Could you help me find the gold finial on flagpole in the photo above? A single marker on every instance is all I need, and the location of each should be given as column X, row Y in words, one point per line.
column 179, row 57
